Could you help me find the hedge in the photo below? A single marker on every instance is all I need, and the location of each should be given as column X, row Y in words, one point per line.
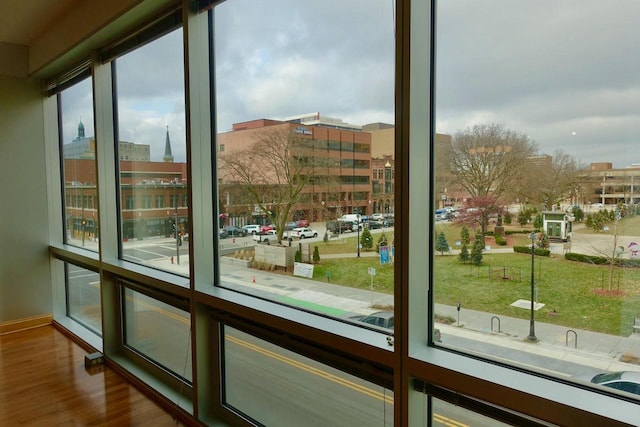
column 527, row 250
column 600, row 260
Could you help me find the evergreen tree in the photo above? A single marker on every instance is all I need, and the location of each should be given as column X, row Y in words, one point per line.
column 316, row 255
column 442, row 245
column 382, row 241
column 366, row 240
column 523, row 218
column 325, row 238
column 464, row 235
column 537, row 223
column 298, row 256
column 476, row 250
column 464, row 254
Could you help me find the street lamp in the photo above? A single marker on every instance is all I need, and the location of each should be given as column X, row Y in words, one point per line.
column 83, row 221
column 175, row 205
column 357, row 212
column 532, row 333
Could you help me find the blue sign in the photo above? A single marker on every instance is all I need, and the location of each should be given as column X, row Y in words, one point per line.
column 384, row 254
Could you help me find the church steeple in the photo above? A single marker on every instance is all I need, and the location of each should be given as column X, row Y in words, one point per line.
column 80, row 130
column 168, row 157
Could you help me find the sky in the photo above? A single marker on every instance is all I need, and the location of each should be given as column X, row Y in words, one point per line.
column 562, row 72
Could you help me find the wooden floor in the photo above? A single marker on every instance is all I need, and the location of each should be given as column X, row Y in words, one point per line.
column 43, row 382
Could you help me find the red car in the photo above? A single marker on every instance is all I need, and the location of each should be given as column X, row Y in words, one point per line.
column 302, row 223
column 265, row 228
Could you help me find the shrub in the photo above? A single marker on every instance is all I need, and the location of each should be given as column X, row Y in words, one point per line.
column 382, row 241
column 298, row 257
column 464, row 235
column 366, row 240
column 589, row 259
column 316, row 255
column 464, row 256
column 476, row 250
column 500, row 240
column 527, row 250
column 442, row 245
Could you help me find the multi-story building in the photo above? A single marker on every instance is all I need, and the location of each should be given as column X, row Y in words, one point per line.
column 602, row 183
column 83, row 147
column 338, row 159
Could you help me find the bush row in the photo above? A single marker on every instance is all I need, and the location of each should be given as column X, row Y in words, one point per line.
column 536, row 251
column 600, row 260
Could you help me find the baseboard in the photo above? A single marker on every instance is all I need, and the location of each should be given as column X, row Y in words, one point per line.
column 26, row 323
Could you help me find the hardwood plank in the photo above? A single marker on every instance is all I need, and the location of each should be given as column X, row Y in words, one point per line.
column 43, row 382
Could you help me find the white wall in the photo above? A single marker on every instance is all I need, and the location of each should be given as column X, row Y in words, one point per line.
column 24, row 264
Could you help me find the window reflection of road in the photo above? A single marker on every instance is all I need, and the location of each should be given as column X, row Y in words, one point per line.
column 258, row 368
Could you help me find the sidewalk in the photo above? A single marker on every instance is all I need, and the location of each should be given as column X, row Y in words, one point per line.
column 591, row 349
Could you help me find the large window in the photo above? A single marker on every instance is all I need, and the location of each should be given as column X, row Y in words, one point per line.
column 157, row 331
column 274, row 386
column 78, row 150
column 152, row 153
column 283, row 168
column 83, row 297
column 535, row 255
column 494, row 287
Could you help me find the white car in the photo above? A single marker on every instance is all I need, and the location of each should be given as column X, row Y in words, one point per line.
column 266, row 236
column 252, row 229
column 303, row 232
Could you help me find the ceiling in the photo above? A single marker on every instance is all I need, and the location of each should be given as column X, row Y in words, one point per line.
column 23, row 21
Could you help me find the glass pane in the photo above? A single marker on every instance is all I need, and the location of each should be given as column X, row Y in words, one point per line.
column 305, row 152
column 79, row 166
column 158, row 331
column 536, row 215
column 275, row 386
column 83, row 297
column 152, row 153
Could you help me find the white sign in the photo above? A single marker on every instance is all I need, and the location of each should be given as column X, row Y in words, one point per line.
column 303, row 270
column 372, row 271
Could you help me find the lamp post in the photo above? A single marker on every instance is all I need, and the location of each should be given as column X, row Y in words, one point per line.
column 175, row 205
column 532, row 333
column 83, row 221
column 357, row 212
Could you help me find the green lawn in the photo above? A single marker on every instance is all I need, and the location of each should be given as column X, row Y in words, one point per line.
column 575, row 295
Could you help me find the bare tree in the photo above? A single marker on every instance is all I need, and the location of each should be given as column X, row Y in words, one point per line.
column 560, row 181
column 275, row 170
column 488, row 159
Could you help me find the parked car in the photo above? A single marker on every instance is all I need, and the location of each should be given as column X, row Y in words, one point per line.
column 372, row 225
column 267, row 236
column 304, row 232
column 222, row 234
column 622, row 380
column 384, row 319
column 251, row 228
column 377, row 217
column 338, row 227
column 232, row 230
column 265, row 228
column 290, row 226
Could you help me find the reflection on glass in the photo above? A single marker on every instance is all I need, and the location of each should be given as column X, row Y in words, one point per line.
column 536, row 183
column 305, row 152
column 83, row 297
column 79, row 166
column 274, row 387
column 158, row 331
column 152, row 153
column 448, row 414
